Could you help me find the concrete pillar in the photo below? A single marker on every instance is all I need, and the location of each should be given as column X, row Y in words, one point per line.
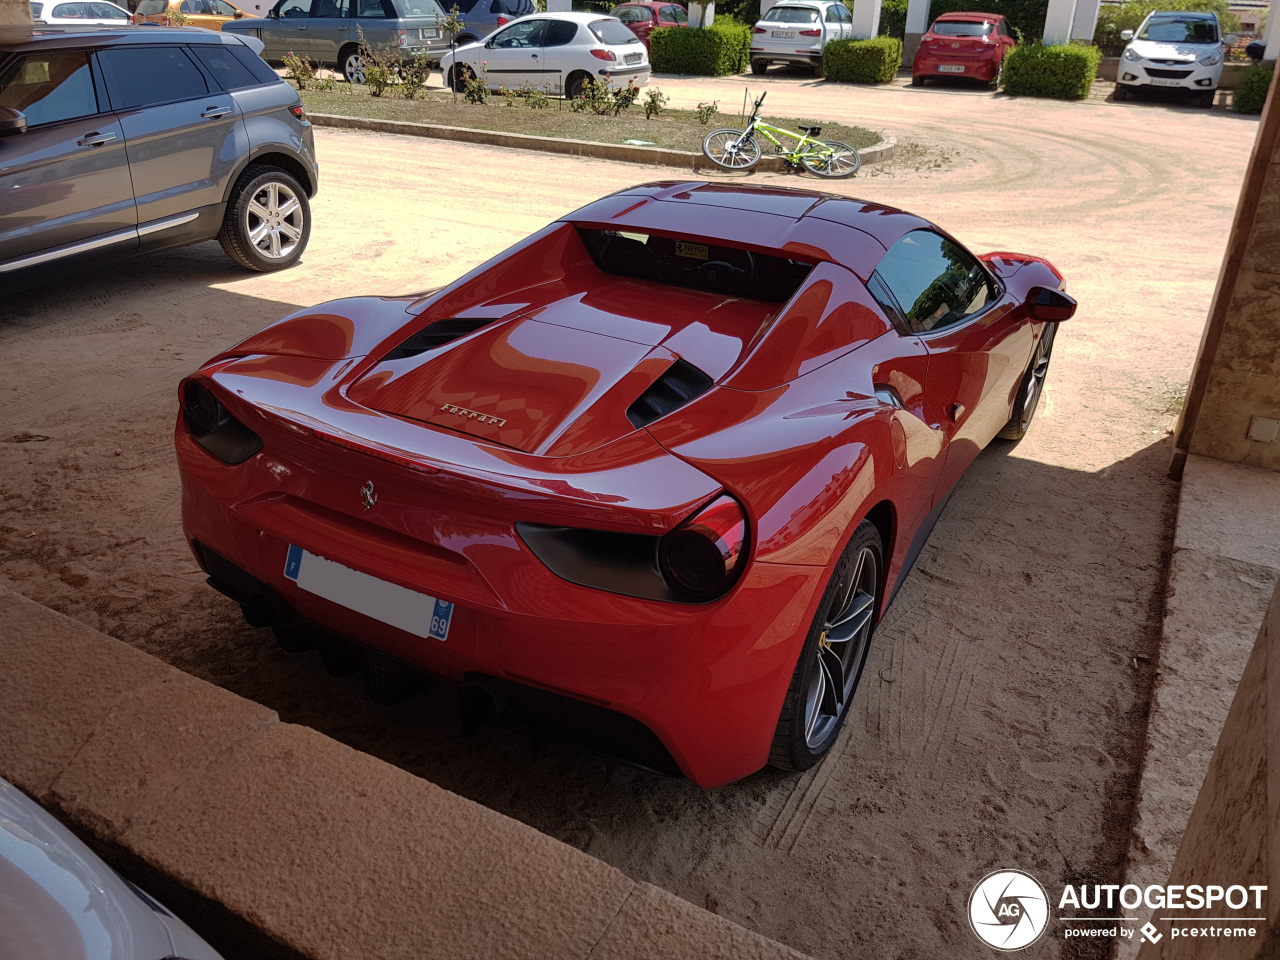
column 767, row 5
column 1232, row 410
column 702, row 14
column 866, row 19
column 1271, row 36
column 1058, row 21
column 559, row 6
column 917, row 24
column 1085, row 20
column 14, row 11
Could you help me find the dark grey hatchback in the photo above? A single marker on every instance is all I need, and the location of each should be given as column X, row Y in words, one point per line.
column 115, row 142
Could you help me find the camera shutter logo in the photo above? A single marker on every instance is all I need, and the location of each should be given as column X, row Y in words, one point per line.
column 1008, row 910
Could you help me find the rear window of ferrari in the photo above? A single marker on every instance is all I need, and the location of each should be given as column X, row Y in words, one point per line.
column 699, row 265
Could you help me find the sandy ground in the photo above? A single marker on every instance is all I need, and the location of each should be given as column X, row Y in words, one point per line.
column 1001, row 718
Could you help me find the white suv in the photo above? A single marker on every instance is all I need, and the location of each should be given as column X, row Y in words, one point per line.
column 1174, row 49
column 795, row 32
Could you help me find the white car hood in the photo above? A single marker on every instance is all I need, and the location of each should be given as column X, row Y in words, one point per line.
column 1153, row 50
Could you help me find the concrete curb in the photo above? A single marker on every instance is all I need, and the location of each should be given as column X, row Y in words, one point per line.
column 579, row 148
column 317, row 849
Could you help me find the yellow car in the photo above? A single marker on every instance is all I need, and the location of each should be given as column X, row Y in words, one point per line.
column 211, row 14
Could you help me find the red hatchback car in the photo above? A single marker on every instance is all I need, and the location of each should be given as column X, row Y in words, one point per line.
column 646, row 481
column 644, row 18
column 971, row 45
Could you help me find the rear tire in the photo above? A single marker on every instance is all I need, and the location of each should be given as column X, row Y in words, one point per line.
column 573, row 86
column 843, row 162
column 917, row 81
column 759, row 66
column 835, row 651
column 722, row 147
column 351, row 64
column 459, row 74
column 268, row 220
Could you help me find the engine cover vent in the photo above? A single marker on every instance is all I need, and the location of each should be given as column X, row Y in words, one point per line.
column 436, row 335
column 680, row 384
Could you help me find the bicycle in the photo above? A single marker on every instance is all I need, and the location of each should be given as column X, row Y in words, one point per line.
column 738, row 150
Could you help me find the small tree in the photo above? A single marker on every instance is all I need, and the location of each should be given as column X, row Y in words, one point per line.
column 451, row 25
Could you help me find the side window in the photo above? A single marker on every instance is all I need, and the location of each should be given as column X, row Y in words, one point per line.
column 49, row 87
column 631, row 14
column 935, row 282
column 332, row 8
column 147, row 76
column 526, row 33
column 832, row 15
column 559, row 32
column 845, row 15
column 370, row 9
column 149, row 8
column 292, row 9
column 230, row 73
column 254, row 64
column 70, row 11
column 677, row 14
column 108, row 11
column 195, row 6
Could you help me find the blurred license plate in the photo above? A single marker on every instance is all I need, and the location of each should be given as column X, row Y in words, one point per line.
column 633, row 58
column 782, row 35
column 429, row 34
column 1165, row 83
column 390, row 603
column 950, row 68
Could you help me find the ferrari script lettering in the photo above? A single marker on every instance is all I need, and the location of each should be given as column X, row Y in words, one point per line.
column 473, row 415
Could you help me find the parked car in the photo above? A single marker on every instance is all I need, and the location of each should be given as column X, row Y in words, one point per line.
column 481, row 17
column 970, row 45
column 647, row 479
column 116, row 142
column 80, row 12
column 644, row 18
column 552, row 51
column 329, row 31
column 797, row 33
column 1178, row 50
column 60, row 900
column 210, row 14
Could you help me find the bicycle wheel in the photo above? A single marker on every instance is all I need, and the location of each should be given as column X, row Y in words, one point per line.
column 731, row 149
column 833, row 159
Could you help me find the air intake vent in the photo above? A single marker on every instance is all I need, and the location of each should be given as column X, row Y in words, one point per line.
column 680, row 384
column 435, row 335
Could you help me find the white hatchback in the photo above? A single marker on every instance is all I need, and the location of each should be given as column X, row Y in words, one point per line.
column 797, row 33
column 1173, row 49
column 555, row 52
column 81, row 12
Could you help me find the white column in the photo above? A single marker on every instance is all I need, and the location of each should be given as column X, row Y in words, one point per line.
column 702, row 14
column 917, row 24
column 559, row 6
column 866, row 19
column 1085, row 21
column 1271, row 36
column 766, row 6
column 1058, row 20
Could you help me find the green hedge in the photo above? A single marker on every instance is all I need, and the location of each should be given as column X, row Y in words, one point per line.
column 1114, row 17
column 1251, row 90
column 893, row 17
column 715, row 51
column 1065, row 71
column 1026, row 16
column 862, row 61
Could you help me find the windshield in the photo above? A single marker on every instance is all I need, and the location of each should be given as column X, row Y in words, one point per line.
column 962, row 28
column 613, row 32
column 1177, row 30
column 791, row 15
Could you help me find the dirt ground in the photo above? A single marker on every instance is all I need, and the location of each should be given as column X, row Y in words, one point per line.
column 1001, row 716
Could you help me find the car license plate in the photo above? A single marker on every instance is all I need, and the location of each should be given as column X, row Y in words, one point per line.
column 633, row 58
column 951, row 68
column 782, row 35
column 429, row 34
column 1155, row 82
column 390, row 603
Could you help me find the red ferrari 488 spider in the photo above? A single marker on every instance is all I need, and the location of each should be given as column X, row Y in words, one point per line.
column 646, row 480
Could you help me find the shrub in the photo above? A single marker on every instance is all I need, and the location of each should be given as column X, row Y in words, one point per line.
column 1065, row 71
column 414, row 74
column 654, row 101
column 1025, row 15
column 716, row 51
column 893, row 17
column 1114, row 17
column 299, row 69
column 1251, row 90
column 862, row 61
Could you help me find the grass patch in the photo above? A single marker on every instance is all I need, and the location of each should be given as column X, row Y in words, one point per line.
column 673, row 129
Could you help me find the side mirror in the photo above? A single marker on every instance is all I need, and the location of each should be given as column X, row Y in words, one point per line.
column 239, row 14
column 1126, row 35
column 12, row 122
column 1049, row 305
column 1229, row 40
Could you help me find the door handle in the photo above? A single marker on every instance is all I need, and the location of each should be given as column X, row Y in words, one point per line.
column 95, row 139
column 215, row 113
column 955, row 411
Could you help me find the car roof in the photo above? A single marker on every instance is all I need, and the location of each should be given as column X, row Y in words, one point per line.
column 66, row 36
column 971, row 15
column 572, row 17
column 1182, row 15
column 806, row 224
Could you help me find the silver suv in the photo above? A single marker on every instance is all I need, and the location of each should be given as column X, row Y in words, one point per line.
column 330, row 31
column 119, row 142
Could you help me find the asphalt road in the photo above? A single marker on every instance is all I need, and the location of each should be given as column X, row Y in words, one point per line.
column 1001, row 716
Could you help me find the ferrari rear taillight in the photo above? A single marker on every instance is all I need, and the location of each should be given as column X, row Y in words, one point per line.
column 603, row 54
column 213, row 427
column 704, row 555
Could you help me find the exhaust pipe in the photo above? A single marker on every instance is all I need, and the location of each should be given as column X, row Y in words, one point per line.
column 481, row 702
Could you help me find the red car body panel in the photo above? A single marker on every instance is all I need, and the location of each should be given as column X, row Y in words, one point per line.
column 979, row 57
column 792, row 427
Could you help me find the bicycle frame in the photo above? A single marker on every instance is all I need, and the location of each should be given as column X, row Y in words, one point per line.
column 767, row 130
